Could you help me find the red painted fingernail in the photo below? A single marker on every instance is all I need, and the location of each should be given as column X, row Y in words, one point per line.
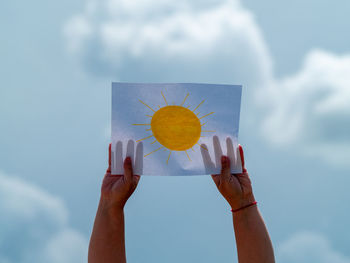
column 224, row 159
column 128, row 160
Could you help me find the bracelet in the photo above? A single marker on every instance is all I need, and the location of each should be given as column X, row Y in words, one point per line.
column 243, row 207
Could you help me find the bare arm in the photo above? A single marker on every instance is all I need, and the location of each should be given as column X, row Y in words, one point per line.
column 107, row 243
column 252, row 239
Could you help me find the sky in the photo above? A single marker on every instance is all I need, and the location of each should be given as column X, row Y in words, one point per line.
column 58, row 60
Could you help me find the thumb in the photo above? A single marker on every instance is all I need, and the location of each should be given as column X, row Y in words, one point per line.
column 128, row 173
column 136, row 179
column 225, row 167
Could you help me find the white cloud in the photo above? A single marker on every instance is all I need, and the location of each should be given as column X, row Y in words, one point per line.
column 219, row 41
column 312, row 108
column 170, row 41
column 34, row 226
column 305, row 247
column 67, row 246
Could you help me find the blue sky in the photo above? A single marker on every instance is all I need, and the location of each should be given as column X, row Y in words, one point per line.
column 57, row 62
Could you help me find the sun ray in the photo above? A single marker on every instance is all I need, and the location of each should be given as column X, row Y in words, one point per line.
column 198, row 106
column 206, row 115
column 154, row 151
column 171, row 108
column 185, row 99
column 168, row 158
column 147, row 106
column 144, row 138
column 188, row 156
column 202, row 147
column 164, row 98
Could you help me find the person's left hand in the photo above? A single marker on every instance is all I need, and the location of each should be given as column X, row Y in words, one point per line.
column 117, row 188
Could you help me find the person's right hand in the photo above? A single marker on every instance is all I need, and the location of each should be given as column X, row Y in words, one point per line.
column 235, row 188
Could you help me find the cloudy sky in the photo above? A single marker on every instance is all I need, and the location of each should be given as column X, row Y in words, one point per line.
column 57, row 62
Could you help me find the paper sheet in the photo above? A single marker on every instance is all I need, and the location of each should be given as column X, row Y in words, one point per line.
column 173, row 121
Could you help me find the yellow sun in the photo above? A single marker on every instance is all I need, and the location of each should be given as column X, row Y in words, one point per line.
column 175, row 127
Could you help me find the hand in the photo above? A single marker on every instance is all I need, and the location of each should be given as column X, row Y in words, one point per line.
column 116, row 189
column 235, row 188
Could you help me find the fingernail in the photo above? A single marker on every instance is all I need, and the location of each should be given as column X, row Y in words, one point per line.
column 224, row 159
column 128, row 160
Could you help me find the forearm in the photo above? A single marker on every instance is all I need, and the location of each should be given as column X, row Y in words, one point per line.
column 253, row 241
column 107, row 243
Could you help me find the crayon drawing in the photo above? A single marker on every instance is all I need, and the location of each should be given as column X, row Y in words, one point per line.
column 173, row 122
column 174, row 127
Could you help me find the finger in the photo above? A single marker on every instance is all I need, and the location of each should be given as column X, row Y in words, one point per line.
column 208, row 164
column 217, row 150
column 136, row 179
column 130, row 150
column 225, row 168
column 109, row 159
column 119, row 158
column 230, row 152
column 112, row 162
column 139, row 159
column 216, row 179
column 128, row 174
column 238, row 161
column 241, row 153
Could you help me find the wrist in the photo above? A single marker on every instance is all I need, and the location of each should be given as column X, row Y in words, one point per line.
column 110, row 209
column 242, row 202
column 244, row 207
column 246, row 214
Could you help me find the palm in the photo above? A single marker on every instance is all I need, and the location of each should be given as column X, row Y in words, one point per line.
column 118, row 188
column 231, row 186
column 235, row 188
column 111, row 183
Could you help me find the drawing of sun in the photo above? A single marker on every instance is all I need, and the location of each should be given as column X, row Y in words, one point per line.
column 174, row 127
